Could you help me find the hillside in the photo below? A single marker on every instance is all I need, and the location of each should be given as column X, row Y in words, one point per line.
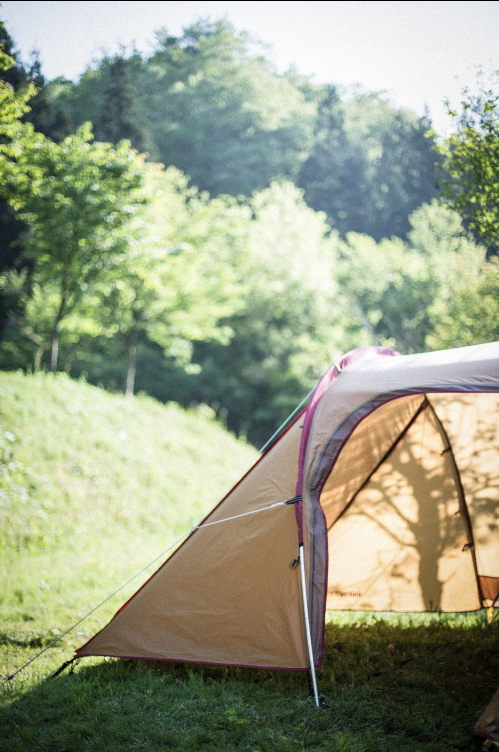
column 77, row 462
column 92, row 488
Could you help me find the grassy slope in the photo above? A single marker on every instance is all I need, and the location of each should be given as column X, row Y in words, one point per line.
column 91, row 488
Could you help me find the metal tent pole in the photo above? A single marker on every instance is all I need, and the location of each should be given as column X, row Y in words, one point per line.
column 285, row 423
column 307, row 625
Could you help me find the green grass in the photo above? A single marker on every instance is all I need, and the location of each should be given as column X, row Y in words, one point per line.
column 387, row 687
column 92, row 487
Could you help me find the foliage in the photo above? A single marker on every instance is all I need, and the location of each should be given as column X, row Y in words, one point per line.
column 249, row 309
column 46, row 113
column 465, row 305
column 13, row 105
column 387, row 289
column 285, row 333
column 471, row 153
column 328, row 175
column 13, row 72
column 180, row 274
column 119, row 116
column 224, row 302
column 370, row 165
column 467, row 312
column 238, row 301
column 213, row 105
column 14, row 96
column 76, row 197
column 434, row 290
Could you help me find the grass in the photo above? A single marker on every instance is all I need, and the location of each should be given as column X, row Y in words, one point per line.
column 91, row 488
column 387, row 687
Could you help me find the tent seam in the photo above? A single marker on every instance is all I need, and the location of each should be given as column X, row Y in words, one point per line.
column 462, row 497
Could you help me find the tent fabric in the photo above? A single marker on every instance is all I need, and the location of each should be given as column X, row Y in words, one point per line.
column 487, row 725
column 396, row 461
column 227, row 595
column 326, row 380
column 407, row 520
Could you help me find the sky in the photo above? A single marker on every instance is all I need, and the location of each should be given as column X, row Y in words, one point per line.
column 419, row 53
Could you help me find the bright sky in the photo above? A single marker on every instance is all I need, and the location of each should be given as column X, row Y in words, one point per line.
column 419, row 52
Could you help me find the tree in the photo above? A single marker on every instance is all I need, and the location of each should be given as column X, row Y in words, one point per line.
column 179, row 277
column 370, row 165
column 470, row 184
column 329, row 172
column 215, row 108
column 13, row 72
column 13, row 106
column 386, row 288
column 465, row 307
column 76, row 198
column 433, row 290
column 47, row 112
column 20, row 85
column 469, row 313
column 405, row 175
column 119, row 116
column 15, row 92
column 286, row 331
column 224, row 116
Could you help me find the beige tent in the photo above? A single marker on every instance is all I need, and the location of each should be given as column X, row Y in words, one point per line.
column 392, row 479
column 487, row 725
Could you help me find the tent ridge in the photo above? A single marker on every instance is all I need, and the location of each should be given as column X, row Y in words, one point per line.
column 323, row 385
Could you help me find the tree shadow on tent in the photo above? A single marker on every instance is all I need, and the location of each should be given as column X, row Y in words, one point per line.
column 408, row 541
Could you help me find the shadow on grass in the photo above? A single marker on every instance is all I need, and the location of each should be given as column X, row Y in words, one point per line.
column 387, row 687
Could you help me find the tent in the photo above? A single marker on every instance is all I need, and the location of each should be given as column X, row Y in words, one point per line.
column 383, row 495
column 487, row 726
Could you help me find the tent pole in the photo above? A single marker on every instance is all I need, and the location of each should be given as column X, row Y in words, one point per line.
column 285, row 423
column 307, row 625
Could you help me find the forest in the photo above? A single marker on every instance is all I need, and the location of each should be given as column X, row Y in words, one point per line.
column 194, row 225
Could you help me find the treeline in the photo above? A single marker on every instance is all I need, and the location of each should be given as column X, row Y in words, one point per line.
column 289, row 225
column 211, row 104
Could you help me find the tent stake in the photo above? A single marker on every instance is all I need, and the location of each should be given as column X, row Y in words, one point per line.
column 307, row 625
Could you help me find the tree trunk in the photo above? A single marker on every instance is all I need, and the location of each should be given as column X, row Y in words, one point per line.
column 54, row 350
column 131, row 353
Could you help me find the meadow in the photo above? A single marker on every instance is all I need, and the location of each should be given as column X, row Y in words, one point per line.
column 93, row 486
